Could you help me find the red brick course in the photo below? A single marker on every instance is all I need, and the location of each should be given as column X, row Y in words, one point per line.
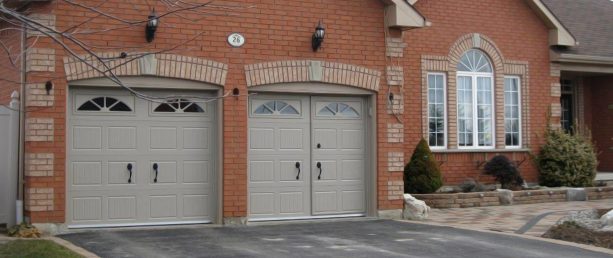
column 519, row 35
column 278, row 31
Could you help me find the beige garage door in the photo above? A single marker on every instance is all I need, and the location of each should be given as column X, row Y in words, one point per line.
column 136, row 162
column 306, row 157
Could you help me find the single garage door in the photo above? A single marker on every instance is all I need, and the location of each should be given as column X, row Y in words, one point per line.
column 306, row 157
column 137, row 162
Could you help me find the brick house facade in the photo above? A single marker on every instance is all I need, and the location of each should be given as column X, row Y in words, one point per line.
column 366, row 50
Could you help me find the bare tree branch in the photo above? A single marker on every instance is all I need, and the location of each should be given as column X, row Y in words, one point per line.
column 68, row 39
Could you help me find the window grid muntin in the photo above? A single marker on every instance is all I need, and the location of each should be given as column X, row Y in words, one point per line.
column 512, row 112
column 338, row 109
column 437, row 136
column 468, row 108
column 104, row 104
column 474, row 61
column 275, row 107
column 179, row 106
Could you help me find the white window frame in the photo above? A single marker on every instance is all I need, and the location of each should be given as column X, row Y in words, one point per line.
column 474, row 81
column 519, row 113
column 445, row 131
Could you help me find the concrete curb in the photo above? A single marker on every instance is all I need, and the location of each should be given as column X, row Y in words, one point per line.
column 553, row 241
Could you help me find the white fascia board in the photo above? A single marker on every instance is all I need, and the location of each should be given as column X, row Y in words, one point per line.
column 558, row 34
column 400, row 14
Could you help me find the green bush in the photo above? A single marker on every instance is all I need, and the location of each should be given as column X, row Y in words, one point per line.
column 422, row 174
column 567, row 160
column 505, row 172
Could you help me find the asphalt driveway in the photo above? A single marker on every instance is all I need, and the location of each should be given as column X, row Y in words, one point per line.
column 362, row 238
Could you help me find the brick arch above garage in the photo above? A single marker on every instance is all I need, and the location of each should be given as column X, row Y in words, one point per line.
column 292, row 71
column 161, row 65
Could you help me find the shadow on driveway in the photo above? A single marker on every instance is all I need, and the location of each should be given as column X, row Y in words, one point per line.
column 362, row 238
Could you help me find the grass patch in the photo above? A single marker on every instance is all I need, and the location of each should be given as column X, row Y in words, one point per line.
column 35, row 249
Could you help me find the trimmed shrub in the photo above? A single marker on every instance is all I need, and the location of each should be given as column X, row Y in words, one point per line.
column 505, row 172
column 567, row 160
column 422, row 175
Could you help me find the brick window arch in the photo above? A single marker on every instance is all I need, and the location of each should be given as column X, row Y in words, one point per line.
column 441, row 82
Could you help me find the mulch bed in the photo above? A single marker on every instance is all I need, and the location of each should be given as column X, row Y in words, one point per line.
column 572, row 232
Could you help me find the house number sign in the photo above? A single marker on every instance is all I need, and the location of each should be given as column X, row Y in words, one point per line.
column 236, row 40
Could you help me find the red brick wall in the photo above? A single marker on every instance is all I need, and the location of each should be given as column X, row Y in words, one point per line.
column 519, row 34
column 281, row 30
column 599, row 105
column 274, row 30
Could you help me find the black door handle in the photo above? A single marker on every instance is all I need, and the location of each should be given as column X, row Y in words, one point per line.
column 155, row 167
column 130, row 170
column 298, row 167
column 319, row 145
column 319, row 166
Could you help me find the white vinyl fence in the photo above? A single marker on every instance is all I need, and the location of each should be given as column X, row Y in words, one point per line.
column 9, row 140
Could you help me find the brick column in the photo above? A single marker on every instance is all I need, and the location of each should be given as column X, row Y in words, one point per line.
column 391, row 183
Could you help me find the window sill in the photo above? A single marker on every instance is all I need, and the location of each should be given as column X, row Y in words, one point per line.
column 479, row 150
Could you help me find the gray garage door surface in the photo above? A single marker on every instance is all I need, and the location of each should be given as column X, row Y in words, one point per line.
column 136, row 162
column 306, row 156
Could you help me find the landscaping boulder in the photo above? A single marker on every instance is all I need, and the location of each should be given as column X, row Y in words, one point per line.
column 449, row 189
column 587, row 219
column 505, row 196
column 414, row 209
column 607, row 219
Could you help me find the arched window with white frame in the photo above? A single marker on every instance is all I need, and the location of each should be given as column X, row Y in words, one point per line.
column 475, row 100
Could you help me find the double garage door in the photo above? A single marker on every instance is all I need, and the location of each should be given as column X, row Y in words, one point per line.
column 306, row 157
column 137, row 162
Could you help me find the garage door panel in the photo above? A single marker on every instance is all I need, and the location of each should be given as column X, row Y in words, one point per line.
column 87, row 137
column 182, row 146
column 291, row 139
column 336, row 139
column 122, row 208
column 261, row 171
column 119, row 174
column 325, row 202
column 326, row 137
column 162, row 206
column 352, row 139
column 87, row 209
column 196, row 205
column 352, row 170
column 196, row 171
column 87, row 173
column 292, row 203
column 196, row 138
column 328, row 172
column 288, row 172
column 262, row 203
column 122, row 138
column 167, row 172
column 352, row 201
column 164, row 138
column 261, row 139
column 346, row 185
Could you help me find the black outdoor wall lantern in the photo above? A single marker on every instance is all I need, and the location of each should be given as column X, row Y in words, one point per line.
column 318, row 36
column 152, row 24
